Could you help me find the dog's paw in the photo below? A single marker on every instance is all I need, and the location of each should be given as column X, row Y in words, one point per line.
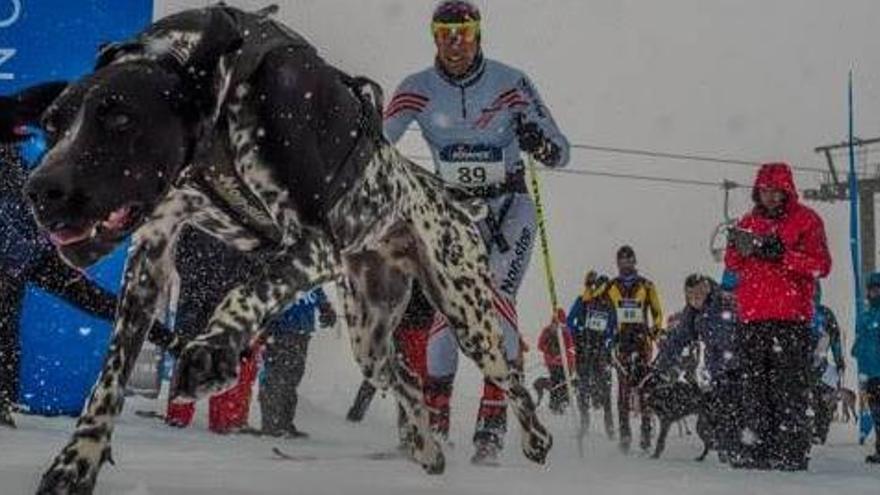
column 75, row 470
column 536, row 444
column 203, row 369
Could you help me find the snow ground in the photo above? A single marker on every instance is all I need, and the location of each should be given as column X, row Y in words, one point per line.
column 152, row 459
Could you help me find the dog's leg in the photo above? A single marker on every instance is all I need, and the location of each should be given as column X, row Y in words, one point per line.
column 665, row 424
column 455, row 275
column 375, row 299
column 209, row 363
column 75, row 469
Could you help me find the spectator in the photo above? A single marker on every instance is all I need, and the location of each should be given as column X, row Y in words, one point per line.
column 866, row 351
column 825, row 378
column 778, row 251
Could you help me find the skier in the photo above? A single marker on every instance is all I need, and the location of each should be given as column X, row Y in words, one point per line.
column 709, row 317
column 825, row 379
column 548, row 345
column 477, row 116
column 592, row 320
column 866, row 351
column 284, row 360
column 777, row 251
column 639, row 323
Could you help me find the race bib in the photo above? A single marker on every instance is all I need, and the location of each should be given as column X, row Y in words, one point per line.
column 465, row 165
column 597, row 321
column 630, row 312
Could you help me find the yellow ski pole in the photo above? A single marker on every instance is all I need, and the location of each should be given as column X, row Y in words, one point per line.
column 551, row 284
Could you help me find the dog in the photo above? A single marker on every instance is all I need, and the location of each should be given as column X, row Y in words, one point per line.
column 231, row 122
column 674, row 400
column 847, row 399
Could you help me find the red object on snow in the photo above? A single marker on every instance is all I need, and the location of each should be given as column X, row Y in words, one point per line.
column 768, row 290
column 227, row 410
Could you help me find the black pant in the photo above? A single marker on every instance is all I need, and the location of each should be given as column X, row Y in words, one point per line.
column 52, row 275
column 725, row 405
column 775, row 358
column 823, row 404
column 285, row 364
column 594, row 372
column 872, row 388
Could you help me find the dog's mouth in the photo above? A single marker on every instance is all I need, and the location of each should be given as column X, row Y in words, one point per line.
column 114, row 226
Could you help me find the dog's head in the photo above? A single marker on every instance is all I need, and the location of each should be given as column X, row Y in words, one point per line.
column 119, row 137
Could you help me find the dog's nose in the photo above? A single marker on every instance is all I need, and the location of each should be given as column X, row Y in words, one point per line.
column 48, row 193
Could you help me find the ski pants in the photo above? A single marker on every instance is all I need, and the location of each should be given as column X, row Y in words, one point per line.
column 634, row 352
column 509, row 233
column 872, row 389
column 725, row 405
column 284, row 361
column 776, row 364
column 594, row 372
column 823, row 405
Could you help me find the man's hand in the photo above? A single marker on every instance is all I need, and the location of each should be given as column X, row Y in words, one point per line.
column 327, row 317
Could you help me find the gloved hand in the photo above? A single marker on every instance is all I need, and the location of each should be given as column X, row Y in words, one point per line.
column 531, row 137
column 770, row 248
column 327, row 317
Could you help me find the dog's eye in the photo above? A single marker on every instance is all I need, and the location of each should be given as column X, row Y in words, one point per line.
column 118, row 121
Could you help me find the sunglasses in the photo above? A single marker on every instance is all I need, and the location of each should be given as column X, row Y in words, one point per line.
column 466, row 31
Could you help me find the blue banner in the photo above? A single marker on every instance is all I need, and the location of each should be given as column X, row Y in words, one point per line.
column 44, row 40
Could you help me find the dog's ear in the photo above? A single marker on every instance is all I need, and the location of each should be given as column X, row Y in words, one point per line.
column 25, row 108
column 196, row 43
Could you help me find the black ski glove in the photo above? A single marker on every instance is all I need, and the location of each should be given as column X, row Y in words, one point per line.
column 770, row 248
column 327, row 318
column 533, row 141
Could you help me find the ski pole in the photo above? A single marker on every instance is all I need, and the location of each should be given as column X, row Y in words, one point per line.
column 548, row 272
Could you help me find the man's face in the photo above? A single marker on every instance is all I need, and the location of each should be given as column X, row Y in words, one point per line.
column 457, row 45
column 874, row 293
column 696, row 295
column 771, row 199
column 626, row 264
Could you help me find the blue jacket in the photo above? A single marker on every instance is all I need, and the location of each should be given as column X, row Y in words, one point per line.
column 596, row 316
column 299, row 318
column 714, row 326
column 866, row 349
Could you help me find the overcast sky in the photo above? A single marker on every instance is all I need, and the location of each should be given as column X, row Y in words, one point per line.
column 743, row 79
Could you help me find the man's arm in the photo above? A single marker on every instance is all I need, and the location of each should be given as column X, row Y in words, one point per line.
column 408, row 102
column 537, row 131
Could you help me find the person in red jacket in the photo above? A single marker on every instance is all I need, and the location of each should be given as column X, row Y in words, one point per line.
column 778, row 251
column 548, row 344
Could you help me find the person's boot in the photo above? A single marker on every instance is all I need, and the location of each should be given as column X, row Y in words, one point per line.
column 875, row 457
column 292, row 432
column 6, row 419
column 361, row 402
column 487, row 451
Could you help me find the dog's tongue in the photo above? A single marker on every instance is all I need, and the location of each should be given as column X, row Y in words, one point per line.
column 64, row 237
column 118, row 219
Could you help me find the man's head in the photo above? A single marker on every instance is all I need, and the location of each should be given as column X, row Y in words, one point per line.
column 874, row 289
column 626, row 260
column 774, row 190
column 697, row 288
column 594, row 284
column 455, row 27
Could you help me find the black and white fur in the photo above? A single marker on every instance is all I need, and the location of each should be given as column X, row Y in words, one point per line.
column 284, row 127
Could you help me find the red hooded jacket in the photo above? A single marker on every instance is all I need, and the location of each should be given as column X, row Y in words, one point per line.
column 780, row 290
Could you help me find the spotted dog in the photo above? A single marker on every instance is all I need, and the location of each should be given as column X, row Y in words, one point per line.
column 231, row 122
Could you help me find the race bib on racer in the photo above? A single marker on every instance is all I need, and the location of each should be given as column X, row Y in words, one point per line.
column 466, row 165
column 630, row 312
column 597, row 321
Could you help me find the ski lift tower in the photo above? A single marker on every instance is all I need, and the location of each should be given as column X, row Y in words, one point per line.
column 835, row 187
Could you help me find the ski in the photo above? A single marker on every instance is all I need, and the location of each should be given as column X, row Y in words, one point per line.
column 371, row 456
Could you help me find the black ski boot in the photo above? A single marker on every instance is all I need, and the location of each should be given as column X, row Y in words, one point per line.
column 6, row 416
column 361, row 402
